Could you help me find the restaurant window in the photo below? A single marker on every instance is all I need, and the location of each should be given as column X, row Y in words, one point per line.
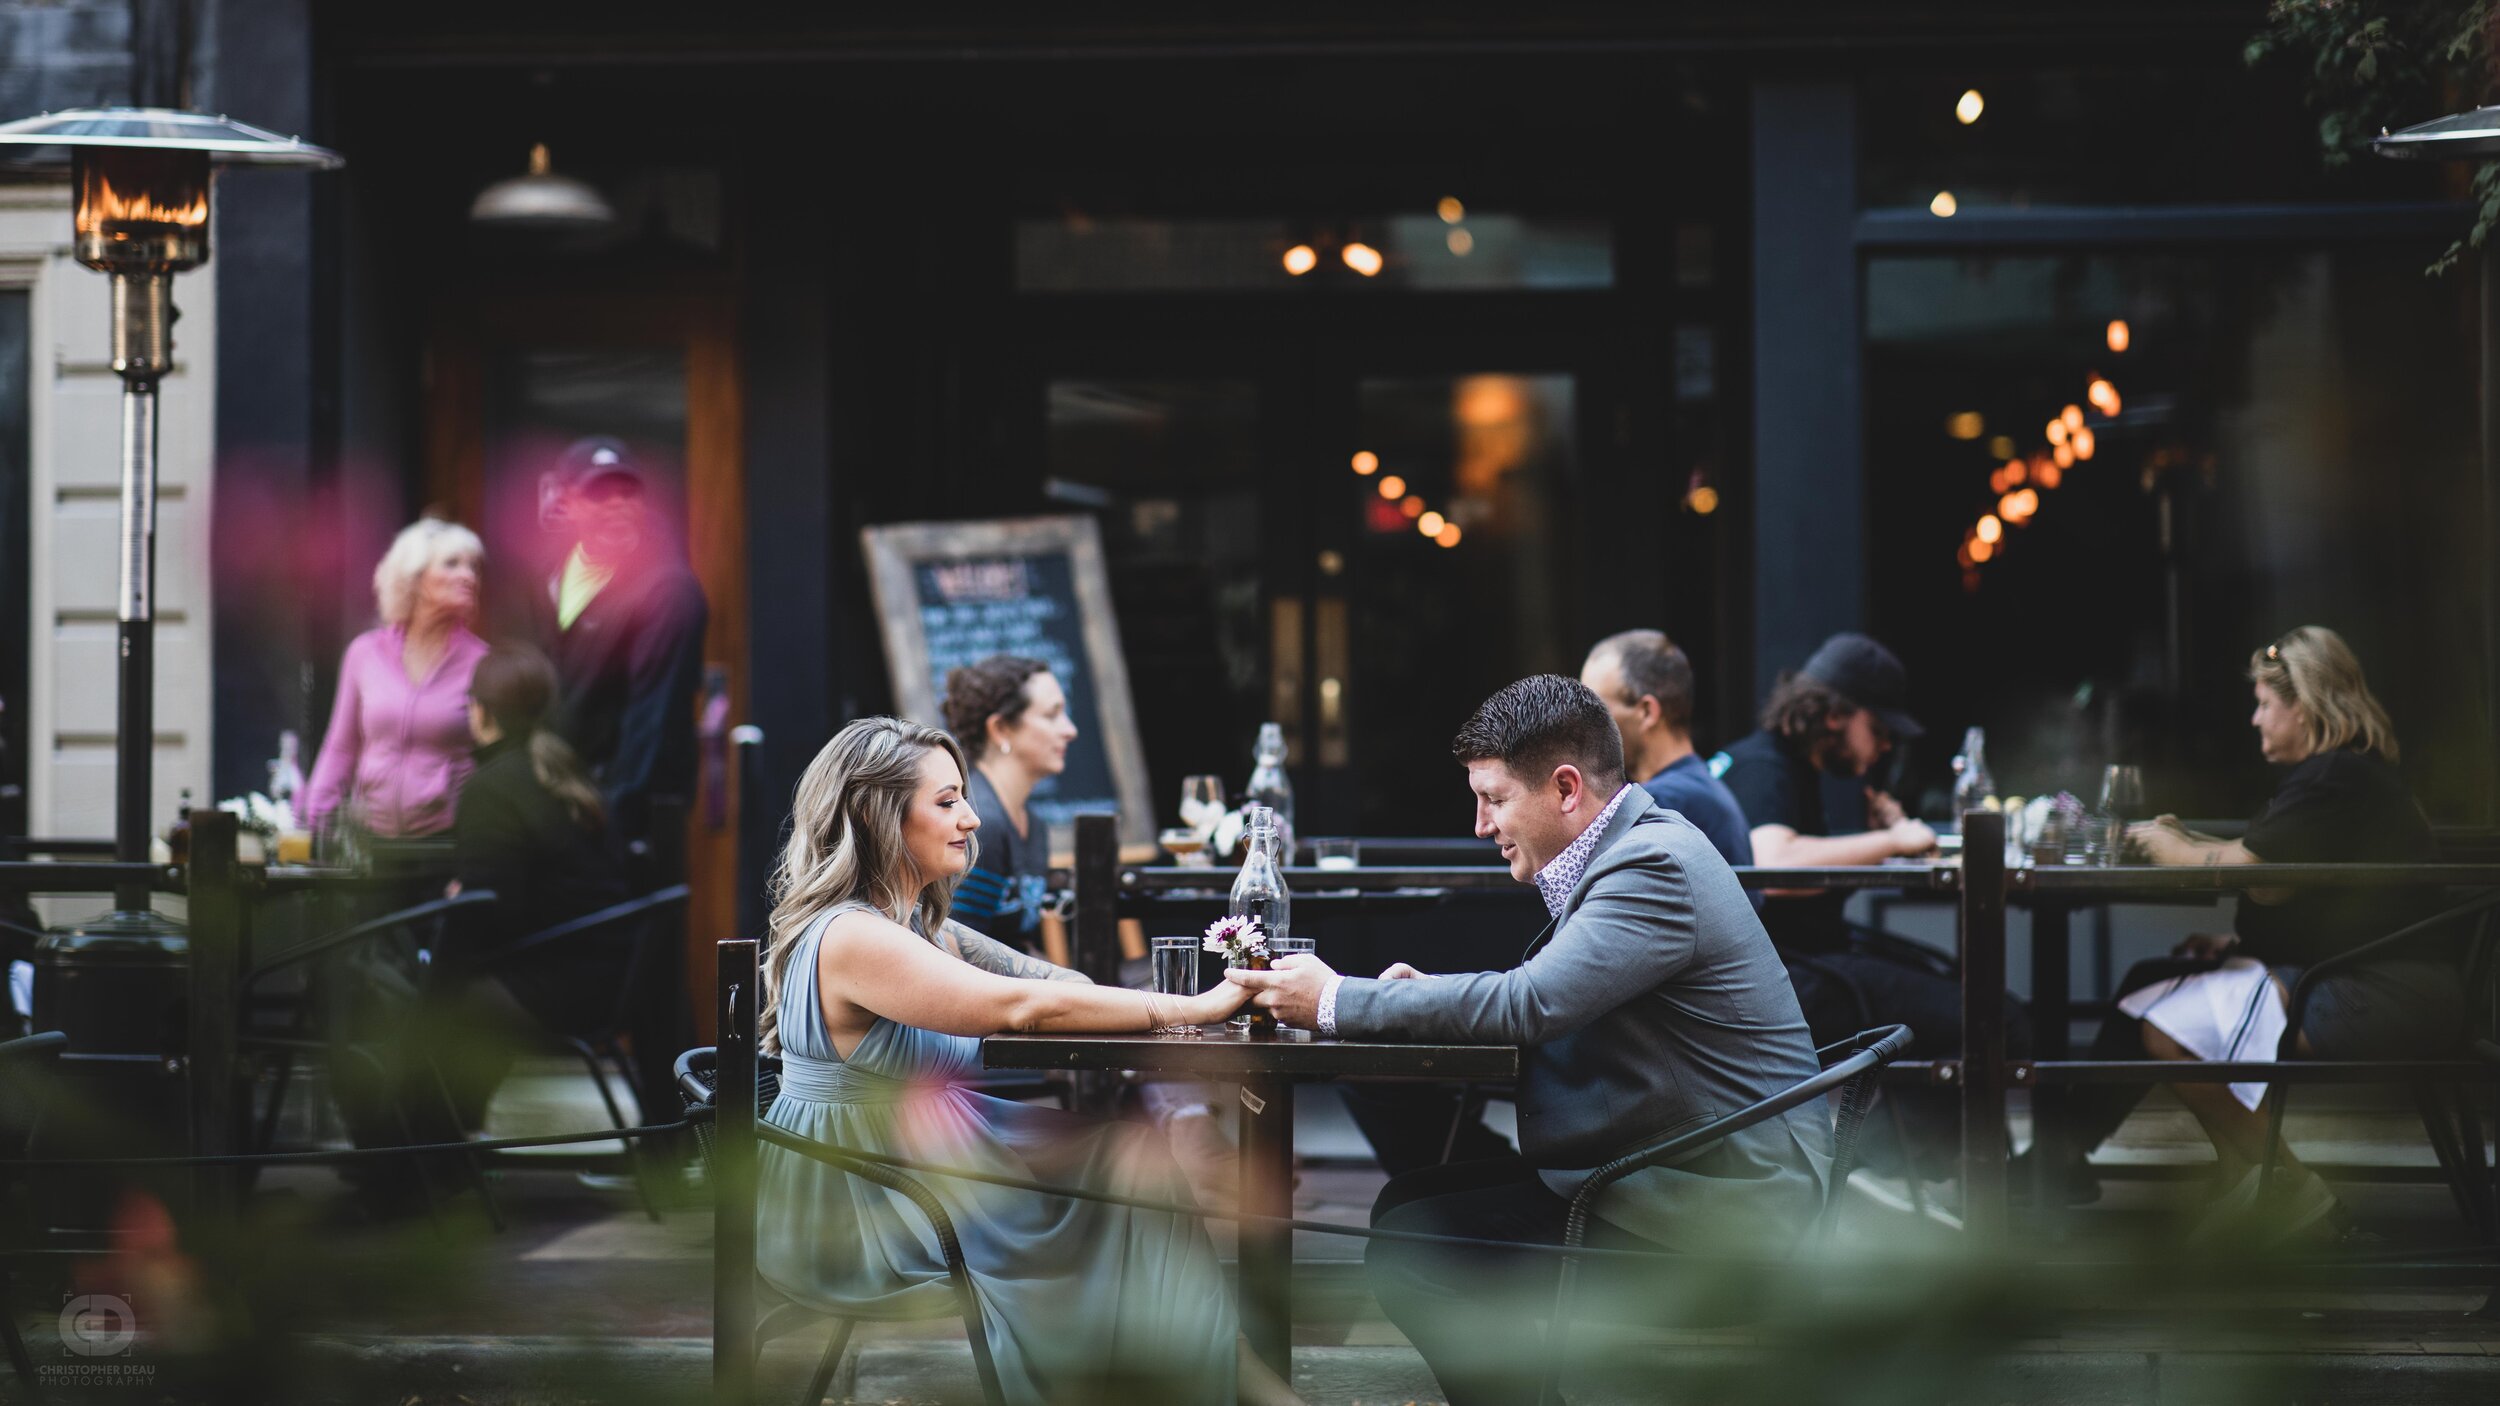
column 1462, row 575
column 1172, row 466
column 16, row 601
column 2098, row 481
column 1450, row 248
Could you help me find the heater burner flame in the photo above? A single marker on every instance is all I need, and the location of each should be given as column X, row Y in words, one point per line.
column 142, row 211
column 104, row 207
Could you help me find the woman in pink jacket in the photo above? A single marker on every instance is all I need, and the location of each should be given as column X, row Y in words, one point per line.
column 398, row 745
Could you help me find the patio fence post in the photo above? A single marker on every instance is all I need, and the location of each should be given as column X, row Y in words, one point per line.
column 733, row 1179
column 1983, row 1026
column 1094, row 942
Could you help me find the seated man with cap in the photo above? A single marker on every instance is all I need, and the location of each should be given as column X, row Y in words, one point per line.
column 1802, row 781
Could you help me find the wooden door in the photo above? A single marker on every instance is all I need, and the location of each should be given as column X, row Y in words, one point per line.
column 510, row 379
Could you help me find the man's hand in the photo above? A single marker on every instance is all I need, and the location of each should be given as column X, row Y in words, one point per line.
column 1291, row 991
column 1882, row 811
column 1910, row 836
column 2207, row 946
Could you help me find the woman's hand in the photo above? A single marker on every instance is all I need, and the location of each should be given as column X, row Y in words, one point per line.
column 2164, row 841
column 1221, row 1003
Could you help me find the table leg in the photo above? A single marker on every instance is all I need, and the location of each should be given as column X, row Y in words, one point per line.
column 1267, row 1249
column 1983, row 1027
column 2051, row 1019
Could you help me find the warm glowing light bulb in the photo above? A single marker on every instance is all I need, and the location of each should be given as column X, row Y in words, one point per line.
column 2030, row 502
column 1301, row 259
column 1430, row 524
column 1451, row 210
column 1393, row 488
column 1966, row 424
column 1943, row 206
column 1412, row 505
column 2072, row 417
column 1366, row 462
column 2065, row 456
column 1968, row 109
column 2103, row 395
column 2014, row 470
column 1449, row 535
column 1984, row 548
column 1989, row 528
column 1362, row 258
column 1461, row 243
column 2082, row 443
column 2002, row 446
column 2118, row 334
column 1703, row 499
column 2050, row 476
column 2056, row 431
column 2010, row 507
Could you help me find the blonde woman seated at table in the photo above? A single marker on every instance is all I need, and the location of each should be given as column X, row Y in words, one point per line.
column 876, row 1002
column 2340, row 800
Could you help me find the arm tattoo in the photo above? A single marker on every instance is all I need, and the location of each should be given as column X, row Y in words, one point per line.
column 992, row 955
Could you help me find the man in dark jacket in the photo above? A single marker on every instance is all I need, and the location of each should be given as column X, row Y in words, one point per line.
column 623, row 620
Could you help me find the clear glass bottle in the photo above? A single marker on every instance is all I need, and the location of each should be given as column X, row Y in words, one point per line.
column 1973, row 787
column 1270, row 787
column 286, row 775
column 1259, row 892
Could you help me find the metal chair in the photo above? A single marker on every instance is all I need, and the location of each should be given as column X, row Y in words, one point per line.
column 15, row 1056
column 2447, row 1106
column 636, row 917
column 1849, row 1067
column 697, row 1081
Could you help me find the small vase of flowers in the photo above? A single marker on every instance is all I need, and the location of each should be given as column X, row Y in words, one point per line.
column 1242, row 943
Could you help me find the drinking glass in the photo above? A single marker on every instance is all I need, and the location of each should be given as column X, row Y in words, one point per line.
column 1177, row 963
column 1187, row 847
column 2122, row 792
column 1282, row 947
column 1337, row 853
column 1202, row 803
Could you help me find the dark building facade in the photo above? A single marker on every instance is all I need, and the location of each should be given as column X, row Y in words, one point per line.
column 1718, row 319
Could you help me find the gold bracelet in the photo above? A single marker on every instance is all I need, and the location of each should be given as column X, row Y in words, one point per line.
column 1153, row 1020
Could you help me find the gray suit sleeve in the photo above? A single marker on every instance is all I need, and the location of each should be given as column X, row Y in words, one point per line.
column 1635, row 929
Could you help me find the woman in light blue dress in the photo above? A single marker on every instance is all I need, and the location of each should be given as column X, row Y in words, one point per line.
column 877, row 1023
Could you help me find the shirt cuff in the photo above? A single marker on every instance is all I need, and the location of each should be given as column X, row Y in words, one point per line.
column 1326, row 1021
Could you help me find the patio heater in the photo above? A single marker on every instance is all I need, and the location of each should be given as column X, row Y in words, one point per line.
column 141, row 180
column 116, row 983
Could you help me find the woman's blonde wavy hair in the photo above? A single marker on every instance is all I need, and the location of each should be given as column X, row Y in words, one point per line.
column 2313, row 668
column 846, row 844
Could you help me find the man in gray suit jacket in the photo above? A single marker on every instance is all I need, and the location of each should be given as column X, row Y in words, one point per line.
column 1654, row 1002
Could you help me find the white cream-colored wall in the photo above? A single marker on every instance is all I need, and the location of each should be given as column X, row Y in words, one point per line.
column 75, row 508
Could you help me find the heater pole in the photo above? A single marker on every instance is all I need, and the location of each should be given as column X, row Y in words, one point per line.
column 143, row 314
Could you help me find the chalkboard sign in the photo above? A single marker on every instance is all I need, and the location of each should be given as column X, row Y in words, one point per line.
column 954, row 593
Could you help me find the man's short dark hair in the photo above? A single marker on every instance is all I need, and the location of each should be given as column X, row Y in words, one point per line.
column 1654, row 667
column 1542, row 722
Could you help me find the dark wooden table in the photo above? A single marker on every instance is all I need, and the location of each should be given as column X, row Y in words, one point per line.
column 1267, row 1068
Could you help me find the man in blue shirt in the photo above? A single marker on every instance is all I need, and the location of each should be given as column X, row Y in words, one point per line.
column 1646, row 683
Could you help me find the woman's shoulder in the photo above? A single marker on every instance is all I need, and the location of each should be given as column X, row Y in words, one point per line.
column 375, row 642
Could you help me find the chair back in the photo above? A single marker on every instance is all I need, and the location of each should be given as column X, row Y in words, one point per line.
column 698, row 1079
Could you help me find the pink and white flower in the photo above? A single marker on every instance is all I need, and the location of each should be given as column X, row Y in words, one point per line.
column 1236, row 939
